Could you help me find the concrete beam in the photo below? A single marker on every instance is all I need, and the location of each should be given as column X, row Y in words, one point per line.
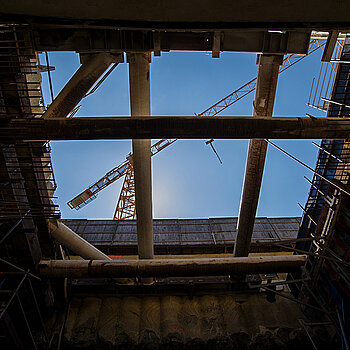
column 169, row 267
column 139, row 77
column 12, row 130
column 56, row 38
column 184, row 14
column 263, row 106
column 81, row 82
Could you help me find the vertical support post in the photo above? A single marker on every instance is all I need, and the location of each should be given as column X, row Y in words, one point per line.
column 263, row 106
column 139, row 77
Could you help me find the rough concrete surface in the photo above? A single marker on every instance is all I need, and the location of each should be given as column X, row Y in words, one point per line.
column 228, row 321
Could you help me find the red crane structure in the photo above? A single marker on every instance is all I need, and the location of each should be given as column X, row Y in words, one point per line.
column 126, row 203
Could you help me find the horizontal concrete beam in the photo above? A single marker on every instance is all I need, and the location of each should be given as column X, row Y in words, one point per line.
column 56, row 38
column 169, row 267
column 12, row 130
column 183, row 14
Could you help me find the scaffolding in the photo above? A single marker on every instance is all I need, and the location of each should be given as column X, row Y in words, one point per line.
column 324, row 226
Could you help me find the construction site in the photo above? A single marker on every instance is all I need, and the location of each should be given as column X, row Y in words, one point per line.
column 134, row 280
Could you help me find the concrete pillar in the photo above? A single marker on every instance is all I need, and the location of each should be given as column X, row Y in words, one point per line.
column 139, row 77
column 263, row 106
column 93, row 66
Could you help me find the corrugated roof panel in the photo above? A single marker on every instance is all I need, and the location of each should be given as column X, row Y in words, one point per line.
column 125, row 237
column 195, row 237
column 195, row 228
column 165, row 238
column 183, row 231
column 225, row 237
column 110, row 228
column 164, row 228
column 193, row 221
column 122, row 228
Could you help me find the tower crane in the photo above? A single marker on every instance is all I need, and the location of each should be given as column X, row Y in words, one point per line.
column 126, row 203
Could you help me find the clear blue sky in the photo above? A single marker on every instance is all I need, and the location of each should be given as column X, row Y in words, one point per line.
column 188, row 180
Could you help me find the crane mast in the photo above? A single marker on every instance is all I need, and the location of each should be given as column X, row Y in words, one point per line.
column 126, row 203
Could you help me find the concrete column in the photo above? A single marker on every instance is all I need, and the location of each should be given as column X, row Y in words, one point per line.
column 93, row 66
column 139, row 77
column 263, row 106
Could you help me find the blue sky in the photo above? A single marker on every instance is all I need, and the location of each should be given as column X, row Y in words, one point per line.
column 188, row 180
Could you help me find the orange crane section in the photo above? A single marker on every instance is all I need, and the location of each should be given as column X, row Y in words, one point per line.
column 126, row 204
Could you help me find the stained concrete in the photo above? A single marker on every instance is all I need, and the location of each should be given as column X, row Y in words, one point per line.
column 227, row 321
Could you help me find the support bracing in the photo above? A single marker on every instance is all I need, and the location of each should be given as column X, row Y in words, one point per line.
column 74, row 242
column 81, row 82
column 263, row 106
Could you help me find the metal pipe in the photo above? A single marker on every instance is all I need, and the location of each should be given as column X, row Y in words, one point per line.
column 14, row 227
column 38, row 310
column 98, row 84
column 305, row 212
column 293, row 299
column 263, row 106
column 322, row 85
column 26, row 321
column 335, row 102
column 315, row 187
column 170, row 267
column 338, row 186
column 139, row 76
column 308, row 334
column 318, row 80
column 325, row 151
column 335, row 258
column 74, row 242
column 19, row 270
column 344, row 337
column 3, row 310
column 49, row 75
column 312, row 85
column 80, row 83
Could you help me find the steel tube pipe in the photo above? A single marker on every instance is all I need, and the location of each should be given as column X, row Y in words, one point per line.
column 74, row 242
column 169, row 267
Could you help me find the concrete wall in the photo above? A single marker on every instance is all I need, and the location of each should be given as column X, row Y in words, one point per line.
column 225, row 321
